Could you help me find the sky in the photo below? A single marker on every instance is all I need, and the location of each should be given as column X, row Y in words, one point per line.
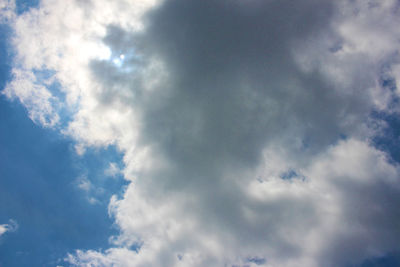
column 200, row 133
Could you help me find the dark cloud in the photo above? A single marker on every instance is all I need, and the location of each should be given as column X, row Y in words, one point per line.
column 234, row 85
column 233, row 88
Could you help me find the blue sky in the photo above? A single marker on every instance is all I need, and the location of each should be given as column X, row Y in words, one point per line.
column 38, row 170
column 172, row 133
column 38, row 187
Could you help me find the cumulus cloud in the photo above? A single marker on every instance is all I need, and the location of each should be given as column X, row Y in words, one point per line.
column 245, row 126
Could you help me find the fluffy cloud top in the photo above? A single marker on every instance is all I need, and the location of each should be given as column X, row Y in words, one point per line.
column 245, row 126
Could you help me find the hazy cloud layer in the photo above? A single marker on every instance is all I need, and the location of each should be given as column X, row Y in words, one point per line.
column 245, row 125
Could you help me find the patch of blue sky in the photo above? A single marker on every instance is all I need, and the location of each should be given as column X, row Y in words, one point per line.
column 42, row 76
column 257, row 260
column 38, row 170
column 389, row 138
column 290, row 174
column 388, row 82
column 336, row 47
column 388, row 141
column 388, row 260
column 93, row 166
column 26, row 5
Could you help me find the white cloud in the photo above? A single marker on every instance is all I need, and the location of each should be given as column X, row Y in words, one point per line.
column 84, row 183
column 245, row 130
column 12, row 226
column 113, row 170
column 3, row 229
column 33, row 94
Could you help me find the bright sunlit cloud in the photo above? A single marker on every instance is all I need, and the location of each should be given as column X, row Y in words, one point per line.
column 118, row 61
column 12, row 226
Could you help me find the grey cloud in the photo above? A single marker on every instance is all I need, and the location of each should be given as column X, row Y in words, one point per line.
column 234, row 82
column 370, row 225
column 233, row 89
column 233, row 86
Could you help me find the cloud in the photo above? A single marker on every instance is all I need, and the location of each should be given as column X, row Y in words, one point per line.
column 245, row 126
column 92, row 192
column 84, row 183
column 7, row 11
column 34, row 96
column 113, row 170
column 12, row 226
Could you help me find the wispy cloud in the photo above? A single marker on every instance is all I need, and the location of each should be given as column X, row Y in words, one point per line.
column 84, row 183
column 11, row 226
column 113, row 170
